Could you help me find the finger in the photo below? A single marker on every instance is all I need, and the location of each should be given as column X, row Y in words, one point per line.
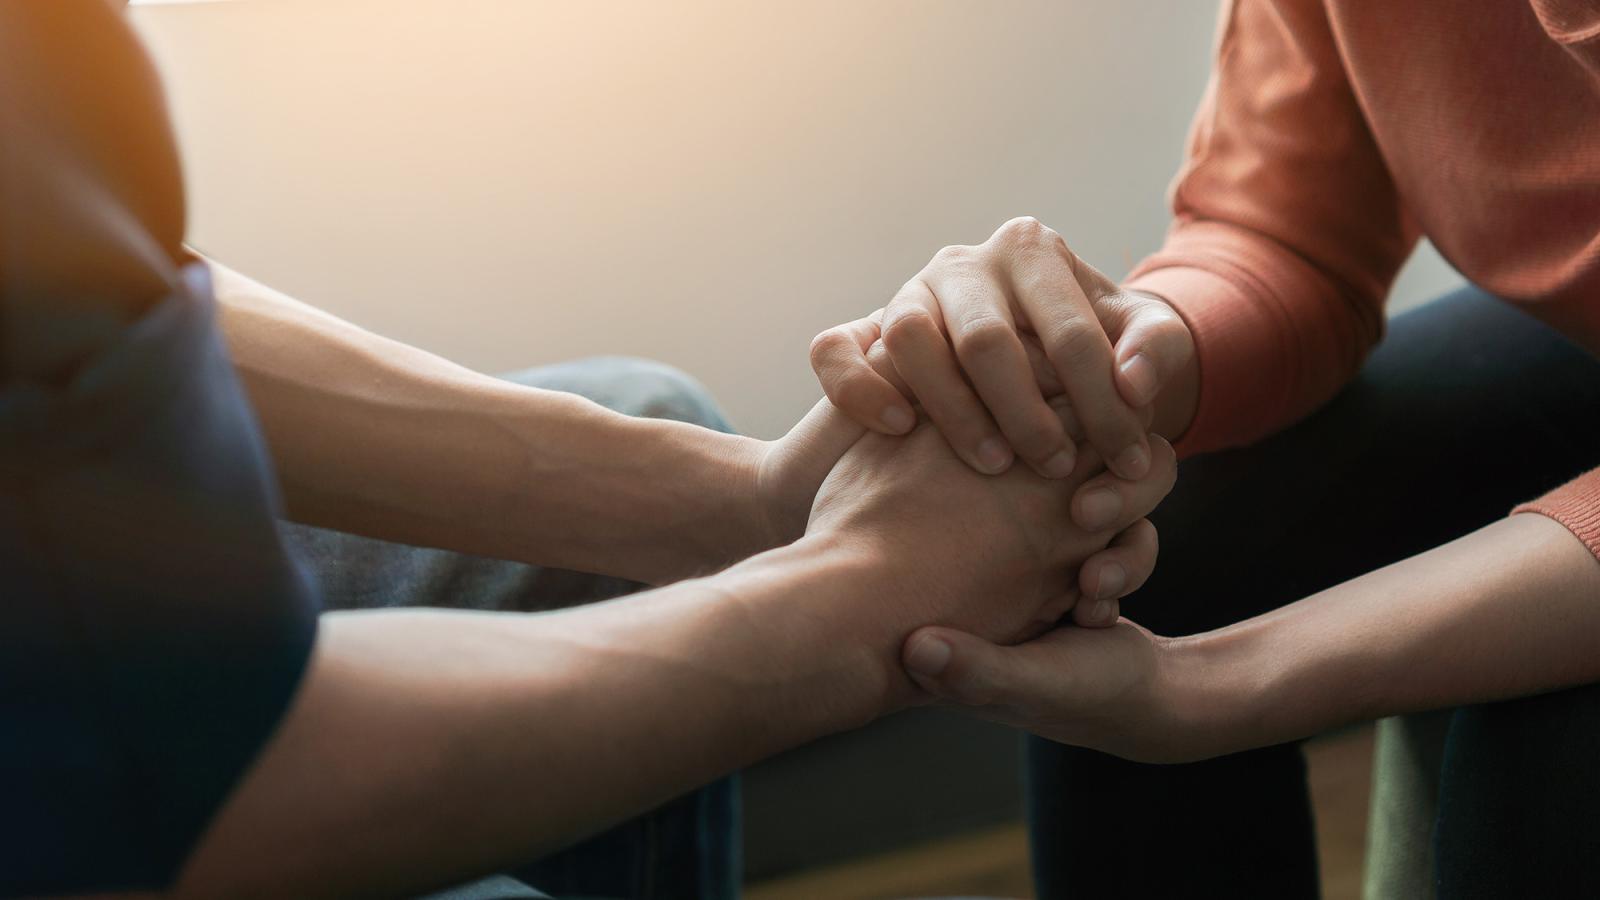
column 1049, row 293
column 1152, row 344
column 1109, row 503
column 978, row 319
column 828, row 431
column 1050, row 615
column 1061, row 404
column 962, row 668
column 1022, row 685
column 1114, row 573
column 839, row 358
column 1045, row 376
column 878, row 359
column 915, row 339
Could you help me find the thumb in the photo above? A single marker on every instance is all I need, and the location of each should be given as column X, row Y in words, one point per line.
column 966, row 669
column 825, row 434
column 1153, row 344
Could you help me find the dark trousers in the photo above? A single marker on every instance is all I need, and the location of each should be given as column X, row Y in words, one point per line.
column 1467, row 408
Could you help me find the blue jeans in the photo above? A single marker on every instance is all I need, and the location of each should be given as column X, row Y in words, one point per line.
column 688, row 848
column 1468, row 407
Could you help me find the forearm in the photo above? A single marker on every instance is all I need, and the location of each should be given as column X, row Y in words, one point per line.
column 379, row 438
column 1510, row 610
column 453, row 744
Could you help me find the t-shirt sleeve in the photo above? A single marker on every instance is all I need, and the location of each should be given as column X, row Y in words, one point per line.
column 153, row 629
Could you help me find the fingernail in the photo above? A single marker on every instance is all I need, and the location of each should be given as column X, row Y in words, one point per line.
column 994, row 455
column 897, row 419
column 1113, row 578
column 1140, row 374
column 1059, row 466
column 1101, row 611
column 1134, row 462
column 1099, row 508
column 928, row 656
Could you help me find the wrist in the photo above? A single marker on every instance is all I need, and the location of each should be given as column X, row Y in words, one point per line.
column 707, row 481
column 1225, row 688
column 750, row 521
column 822, row 599
column 1261, row 682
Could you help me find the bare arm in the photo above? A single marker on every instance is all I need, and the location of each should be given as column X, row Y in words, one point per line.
column 372, row 436
column 428, row 747
column 454, row 743
column 1509, row 610
column 369, row 435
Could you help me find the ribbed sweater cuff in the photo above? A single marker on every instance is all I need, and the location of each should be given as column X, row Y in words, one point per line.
column 1576, row 505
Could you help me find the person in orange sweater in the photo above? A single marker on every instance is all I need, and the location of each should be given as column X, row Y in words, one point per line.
column 1333, row 135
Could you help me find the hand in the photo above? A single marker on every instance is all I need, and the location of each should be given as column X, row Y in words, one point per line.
column 1121, row 690
column 995, row 555
column 955, row 335
column 791, row 470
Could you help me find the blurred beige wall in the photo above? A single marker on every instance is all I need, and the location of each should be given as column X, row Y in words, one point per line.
column 508, row 182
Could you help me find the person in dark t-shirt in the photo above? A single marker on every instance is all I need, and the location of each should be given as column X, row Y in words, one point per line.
column 180, row 712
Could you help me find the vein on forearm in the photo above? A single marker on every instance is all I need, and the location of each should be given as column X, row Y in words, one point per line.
column 379, row 438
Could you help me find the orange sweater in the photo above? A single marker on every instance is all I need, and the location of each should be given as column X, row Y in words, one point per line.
column 1334, row 133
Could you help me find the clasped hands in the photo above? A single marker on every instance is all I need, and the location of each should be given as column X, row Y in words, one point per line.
column 1002, row 466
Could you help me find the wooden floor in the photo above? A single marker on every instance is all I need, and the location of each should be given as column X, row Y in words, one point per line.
column 994, row 863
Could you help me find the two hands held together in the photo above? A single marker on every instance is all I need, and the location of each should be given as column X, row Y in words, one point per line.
column 1009, row 406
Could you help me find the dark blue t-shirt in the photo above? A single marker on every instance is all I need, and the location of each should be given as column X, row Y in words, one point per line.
column 152, row 626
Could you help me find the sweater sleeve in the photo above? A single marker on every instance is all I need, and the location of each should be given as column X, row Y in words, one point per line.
column 1288, row 229
column 1575, row 26
column 1576, row 505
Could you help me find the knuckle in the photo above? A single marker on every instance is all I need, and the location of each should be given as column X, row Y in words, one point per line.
column 1123, row 305
column 984, row 337
column 1025, row 230
column 1040, row 277
column 1075, row 344
column 878, row 360
column 905, row 324
column 1028, row 239
column 825, row 345
column 953, row 255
